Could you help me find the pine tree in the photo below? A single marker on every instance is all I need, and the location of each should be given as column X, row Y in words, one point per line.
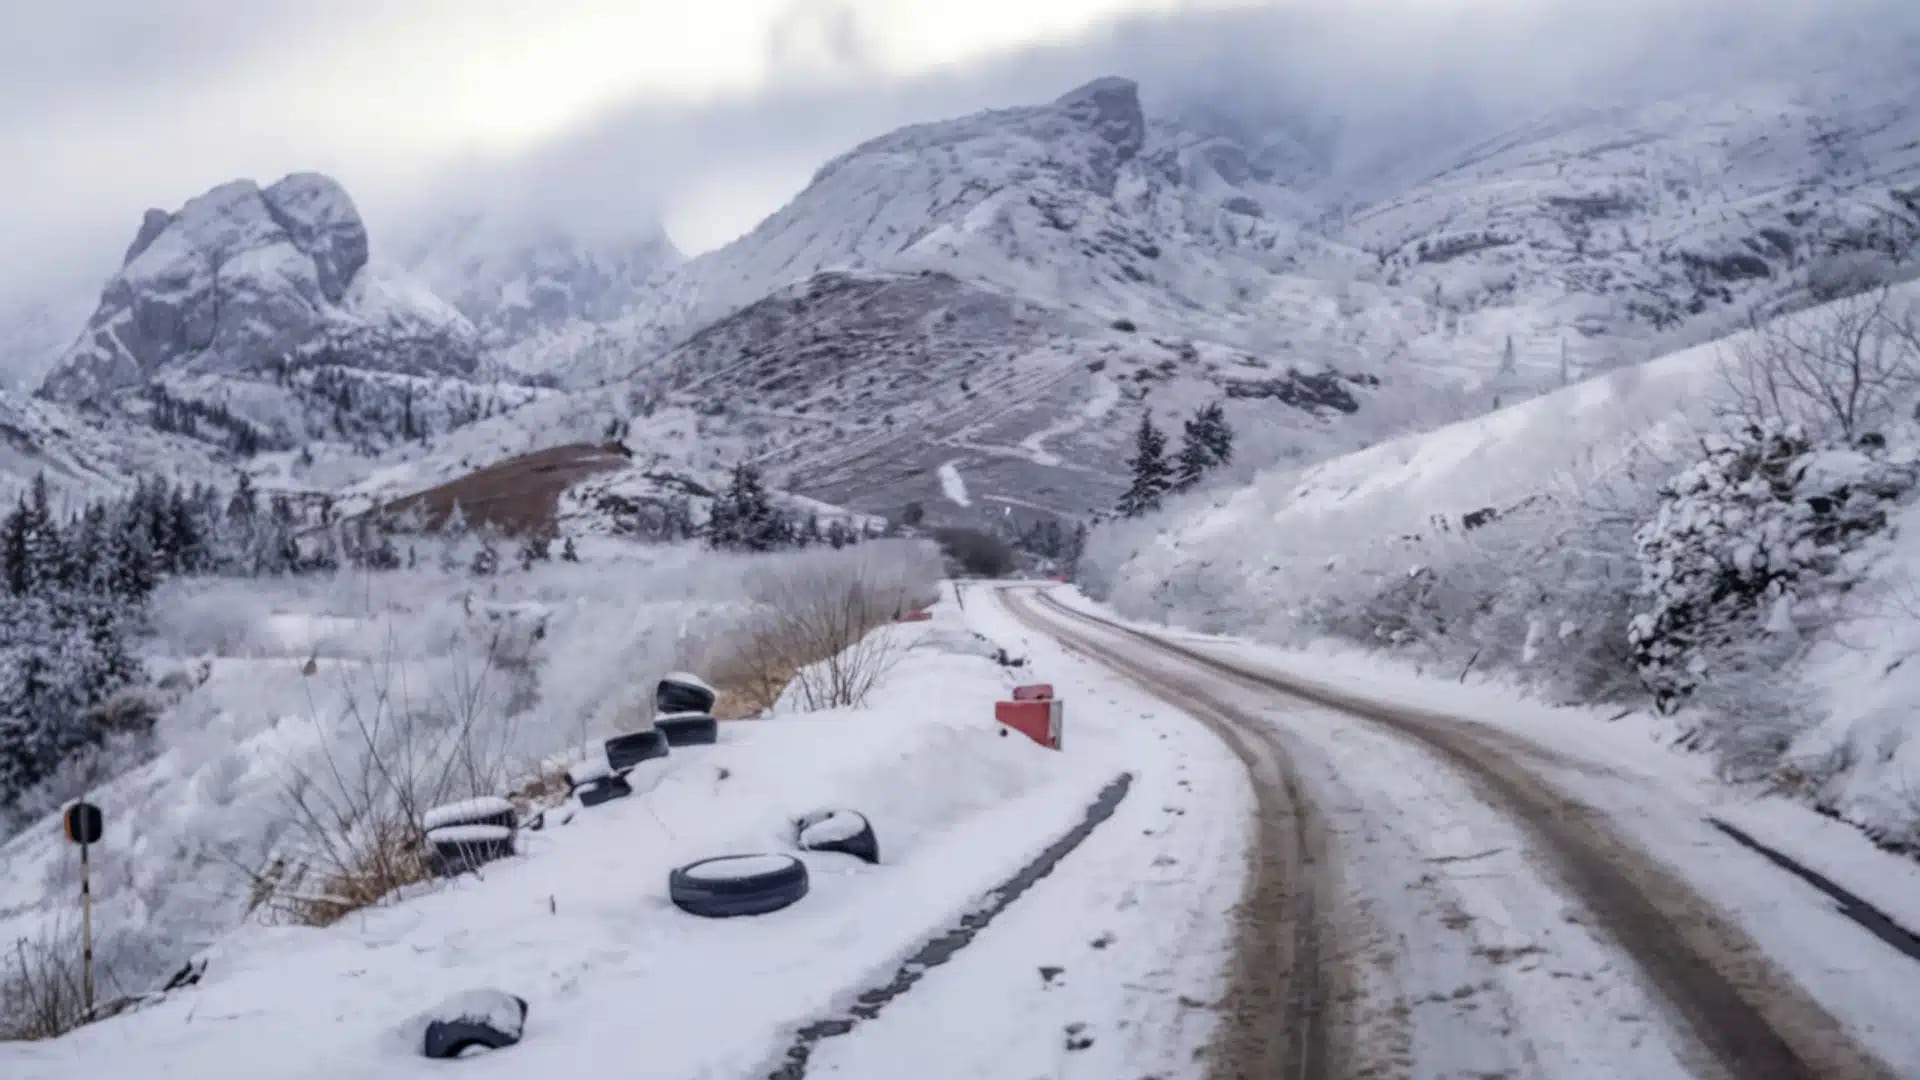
column 744, row 518
column 1206, row 442
column 1151, row 474
column 486, row 560
column 14, row 557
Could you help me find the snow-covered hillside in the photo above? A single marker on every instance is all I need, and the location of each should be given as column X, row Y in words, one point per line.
column 524, row 665
column 84, row 454
column 1078, row 204
column 1509, row 541
column 1607, row 231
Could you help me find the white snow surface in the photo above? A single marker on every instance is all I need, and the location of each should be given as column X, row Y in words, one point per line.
column 953, row 485
column 737, row 867
column 465, row 810
column 830, row 827
column 687, row 678
column 467, row 834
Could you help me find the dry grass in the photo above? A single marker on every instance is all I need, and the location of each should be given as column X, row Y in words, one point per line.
column 811, row 636
column 42, row 993
column 380, row 860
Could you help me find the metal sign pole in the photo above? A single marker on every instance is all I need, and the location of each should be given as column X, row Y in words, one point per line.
column 86, row 929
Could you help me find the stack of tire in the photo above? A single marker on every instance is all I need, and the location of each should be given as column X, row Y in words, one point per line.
column 602, row 777
column 683, row 710
column 466, row 835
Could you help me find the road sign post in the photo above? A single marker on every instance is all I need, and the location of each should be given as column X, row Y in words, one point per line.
column 84, row 824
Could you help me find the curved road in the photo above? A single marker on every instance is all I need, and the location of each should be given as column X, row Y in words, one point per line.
column 1424, row 903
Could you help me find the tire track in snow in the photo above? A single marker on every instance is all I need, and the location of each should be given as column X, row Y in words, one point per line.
column 1750, row 1020
column 1279, row 1011
column 940, row 949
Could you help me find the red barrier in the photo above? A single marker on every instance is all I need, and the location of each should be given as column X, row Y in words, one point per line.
column 915, row 616
column 1037, row 720
column 1033, row 692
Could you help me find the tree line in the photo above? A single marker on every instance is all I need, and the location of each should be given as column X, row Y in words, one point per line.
column 1206, row 443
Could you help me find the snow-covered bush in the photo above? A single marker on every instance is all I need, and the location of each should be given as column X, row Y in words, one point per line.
column 1751, row 540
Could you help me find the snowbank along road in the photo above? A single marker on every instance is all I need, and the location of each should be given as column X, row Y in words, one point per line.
column 1425, row 901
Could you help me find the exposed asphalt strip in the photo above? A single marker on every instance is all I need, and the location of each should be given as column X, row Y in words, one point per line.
column 1877, row 922
column 938, row 950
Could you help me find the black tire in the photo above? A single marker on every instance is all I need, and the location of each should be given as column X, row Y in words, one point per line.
column 457, row 849
column 682, row 692
column 845, row 831
column 486, row 810
column 689, row 729
column 605, row 789
column 188, row 975
column 710, row 889
column 626, row 751
column 486, row 1018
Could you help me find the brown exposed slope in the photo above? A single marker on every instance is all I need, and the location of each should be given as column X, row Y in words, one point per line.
column 515, row 497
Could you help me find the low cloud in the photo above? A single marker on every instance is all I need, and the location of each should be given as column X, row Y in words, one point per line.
column 112, row 129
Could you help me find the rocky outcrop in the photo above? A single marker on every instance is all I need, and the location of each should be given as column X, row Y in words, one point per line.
column 244, row 279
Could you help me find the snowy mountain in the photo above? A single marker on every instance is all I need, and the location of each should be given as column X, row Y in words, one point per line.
column 1233, row 239
column 515, row 278
column 1617, row 231
column 229, row 310
column 1080, row 203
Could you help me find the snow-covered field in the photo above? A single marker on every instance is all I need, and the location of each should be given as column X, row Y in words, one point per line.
column 284, row 686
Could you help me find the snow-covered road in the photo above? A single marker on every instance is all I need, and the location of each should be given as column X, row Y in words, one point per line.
column 1438, row 898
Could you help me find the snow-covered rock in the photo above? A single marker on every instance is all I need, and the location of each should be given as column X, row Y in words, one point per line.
column 245, row 284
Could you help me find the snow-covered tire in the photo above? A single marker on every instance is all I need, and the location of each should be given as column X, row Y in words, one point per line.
column 485, row 810
column 688, row 729
column 626, row 751
column 731, row 885
column 683, row 692
column 487, row 1018
column 459, row 848
column 605, row 789
column 845, row 831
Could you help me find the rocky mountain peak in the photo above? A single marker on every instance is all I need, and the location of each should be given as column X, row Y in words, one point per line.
column 1111, row 107
column 322, row 222
column 244, row 277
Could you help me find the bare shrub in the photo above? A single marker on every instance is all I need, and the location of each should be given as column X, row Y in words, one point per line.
column 753, row 670
column 1839, row 372
column 811, row 630
column 42, row 984
column 354, row 817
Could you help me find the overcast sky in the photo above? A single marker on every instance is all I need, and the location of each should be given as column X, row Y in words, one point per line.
column 709, row 113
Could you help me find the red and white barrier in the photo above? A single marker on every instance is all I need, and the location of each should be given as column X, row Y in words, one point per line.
column 1038, row 719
